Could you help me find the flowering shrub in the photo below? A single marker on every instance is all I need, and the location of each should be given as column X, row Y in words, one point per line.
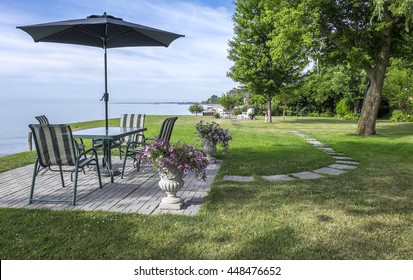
column 213, row 132
column 181, row 156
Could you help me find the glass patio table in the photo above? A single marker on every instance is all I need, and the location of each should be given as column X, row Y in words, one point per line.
column 108, row 136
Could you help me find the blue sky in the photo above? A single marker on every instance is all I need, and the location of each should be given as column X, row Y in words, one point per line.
column 190, row 69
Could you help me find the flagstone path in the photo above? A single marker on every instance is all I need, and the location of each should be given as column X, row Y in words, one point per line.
column 342, row 165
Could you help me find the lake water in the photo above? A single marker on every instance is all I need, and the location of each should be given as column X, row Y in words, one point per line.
column 15, row 116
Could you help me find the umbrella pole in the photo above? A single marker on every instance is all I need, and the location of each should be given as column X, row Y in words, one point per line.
column 106, row 94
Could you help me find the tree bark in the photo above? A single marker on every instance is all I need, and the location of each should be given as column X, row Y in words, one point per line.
column 372, row 100
column 371, row 104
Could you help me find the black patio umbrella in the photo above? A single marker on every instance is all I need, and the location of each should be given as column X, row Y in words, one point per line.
column 103, row 32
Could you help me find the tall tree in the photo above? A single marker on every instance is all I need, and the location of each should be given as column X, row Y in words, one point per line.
column 263, row 69
column 366, row 33
column 228, row 101
column 196, row 108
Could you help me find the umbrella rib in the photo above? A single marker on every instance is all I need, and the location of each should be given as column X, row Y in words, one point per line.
column 53, row 35
column 68, row 30
column 151, row 38
column 133, row 30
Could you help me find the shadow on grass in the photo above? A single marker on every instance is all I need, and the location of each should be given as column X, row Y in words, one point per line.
column 394, row 130
column 319, row 219
column 274, row 160
column 357, row 215
column 315, row 121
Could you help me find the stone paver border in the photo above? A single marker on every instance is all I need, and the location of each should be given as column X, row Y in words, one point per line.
column 342, row 165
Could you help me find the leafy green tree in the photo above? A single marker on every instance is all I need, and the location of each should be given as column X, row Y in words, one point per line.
column 228, row 101
column 214, row 99
column 258, row 103
column 261, row 64
column 398, row 86
column 331, row 83
column 196, row 108
column 365, row 33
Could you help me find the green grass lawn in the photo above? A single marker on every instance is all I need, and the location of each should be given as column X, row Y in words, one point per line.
column 366, row 213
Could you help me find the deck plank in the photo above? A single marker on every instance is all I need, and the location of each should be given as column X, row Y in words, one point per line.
column 137, row 192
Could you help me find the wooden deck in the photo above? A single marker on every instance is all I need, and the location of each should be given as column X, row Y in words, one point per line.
column 135, row 193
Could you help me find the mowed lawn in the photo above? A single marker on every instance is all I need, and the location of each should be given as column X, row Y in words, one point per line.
column 366, row 213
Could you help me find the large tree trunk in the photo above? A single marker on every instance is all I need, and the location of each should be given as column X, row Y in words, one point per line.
column 372, row 100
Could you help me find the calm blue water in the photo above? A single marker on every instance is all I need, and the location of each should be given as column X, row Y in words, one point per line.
column 15, row 116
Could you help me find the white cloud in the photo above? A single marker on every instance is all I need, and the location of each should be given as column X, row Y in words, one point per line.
column 192, row 68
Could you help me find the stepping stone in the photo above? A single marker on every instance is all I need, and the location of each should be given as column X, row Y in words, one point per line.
column 306, row 175
column 342, row 166
column 301, row 135
column 347, row 162
column 327, row 149
column 238, row 178
column 329, row 171
column 334, row 154
column 315, row 143
column 278, row 178
column 340, row 157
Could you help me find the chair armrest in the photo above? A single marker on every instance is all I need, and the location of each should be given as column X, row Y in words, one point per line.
column 150, row 139
column 135, row 137
column 133, row 144
column 93, row 150
column 83, row 160
column 79, row 147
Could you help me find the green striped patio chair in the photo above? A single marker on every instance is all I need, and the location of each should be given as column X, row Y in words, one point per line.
column 55, row 146
column 135, row 151
column 126, row 120
column 42, row 119
column 131, row 120
column 166, row 130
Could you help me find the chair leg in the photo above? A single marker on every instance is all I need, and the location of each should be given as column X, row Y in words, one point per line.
column 84, row 147
column 36, row 171
column 124, row 163
column 61, row 176
column 138, row 164
column 98, row 170
column 75, row 185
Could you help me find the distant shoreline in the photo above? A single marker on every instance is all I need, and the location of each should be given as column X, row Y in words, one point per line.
column 160, row 102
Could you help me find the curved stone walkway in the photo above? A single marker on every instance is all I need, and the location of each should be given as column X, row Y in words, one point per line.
column 342, row 165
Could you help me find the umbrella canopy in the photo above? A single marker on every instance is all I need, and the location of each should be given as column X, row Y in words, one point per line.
column 100, row 31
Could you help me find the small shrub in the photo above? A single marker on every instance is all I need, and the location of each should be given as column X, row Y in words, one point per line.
column 236, row 111
column 342, row 108
column 400, row 116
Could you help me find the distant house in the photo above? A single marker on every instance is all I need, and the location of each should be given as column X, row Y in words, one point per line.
column 211, row 109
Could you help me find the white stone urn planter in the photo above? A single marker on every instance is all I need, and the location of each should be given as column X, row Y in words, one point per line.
column 171, row 182
column 209, row 148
